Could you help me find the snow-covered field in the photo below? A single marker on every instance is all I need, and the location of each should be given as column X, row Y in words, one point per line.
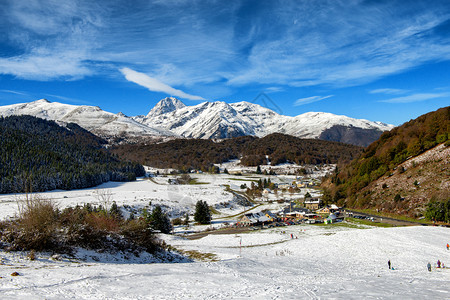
column 323, row 262
column 331, row 261
column 175, row 199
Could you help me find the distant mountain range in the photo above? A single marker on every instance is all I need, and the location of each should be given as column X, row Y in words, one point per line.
column 207, row 120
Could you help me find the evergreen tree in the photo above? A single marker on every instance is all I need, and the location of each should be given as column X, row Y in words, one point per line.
column 258, row 170
column 202, row 213
column 158, row 220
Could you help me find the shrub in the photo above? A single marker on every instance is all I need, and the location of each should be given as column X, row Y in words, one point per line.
column 177, row 221
column 35, row 228
column 41, row 226
column 140, row 234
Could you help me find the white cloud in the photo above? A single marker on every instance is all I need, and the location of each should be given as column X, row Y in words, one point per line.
column 44, row 67
column 274, row 89
column 312, row 99
column 416, row 98
column 20, row 93
column 299, row 43
column 389, row 91
column 155, row 85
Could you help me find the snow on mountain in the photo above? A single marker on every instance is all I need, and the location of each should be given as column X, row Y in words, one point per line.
column 170, row 117
column 223, row 120
column 91, row 118
column 166, row 105
column 205, row 120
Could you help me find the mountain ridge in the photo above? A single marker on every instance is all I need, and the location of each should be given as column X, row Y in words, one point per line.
column 208, row 120
column 220, row 120
column 91, row 118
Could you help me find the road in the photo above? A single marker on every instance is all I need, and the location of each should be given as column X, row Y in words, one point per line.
column 387, row 220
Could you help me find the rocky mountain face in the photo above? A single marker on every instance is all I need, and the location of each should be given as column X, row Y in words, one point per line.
column 207, row 120
column 219, row 120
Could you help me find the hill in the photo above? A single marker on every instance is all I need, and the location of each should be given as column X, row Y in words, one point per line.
column 185, row 154
column 400, row 172
column 39, row 155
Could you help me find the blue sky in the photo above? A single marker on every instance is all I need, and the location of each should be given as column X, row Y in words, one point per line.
column 384, row 61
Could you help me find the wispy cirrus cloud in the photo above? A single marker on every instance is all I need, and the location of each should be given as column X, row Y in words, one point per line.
column 207, row 43
column 20, row 93
column 69, row 99
column 389, row 91
column 48, row 40
column 416, row 97
column 274, row 89
column 303, row 101
column 155, row 85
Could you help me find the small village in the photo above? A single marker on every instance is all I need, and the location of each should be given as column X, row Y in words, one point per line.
column 310, row 213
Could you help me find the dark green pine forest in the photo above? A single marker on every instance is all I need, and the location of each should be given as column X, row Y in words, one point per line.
column 39, row 155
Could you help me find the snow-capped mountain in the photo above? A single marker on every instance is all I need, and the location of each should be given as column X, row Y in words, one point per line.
column 171, row 117
column 223, row 120
column 164, row 106
column 91, row 118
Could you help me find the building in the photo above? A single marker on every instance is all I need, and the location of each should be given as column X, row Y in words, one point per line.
column 255, row 219
column 313, row 203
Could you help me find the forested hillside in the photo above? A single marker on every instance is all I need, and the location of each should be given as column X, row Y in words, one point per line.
column 187, row 154
column 39, row 155
column 393, row 155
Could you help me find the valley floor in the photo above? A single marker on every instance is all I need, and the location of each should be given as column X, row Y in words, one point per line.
column 333, row 261
column 343, row 261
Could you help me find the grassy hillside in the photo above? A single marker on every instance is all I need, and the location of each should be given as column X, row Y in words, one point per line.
column 402, row 171
column 39, row 155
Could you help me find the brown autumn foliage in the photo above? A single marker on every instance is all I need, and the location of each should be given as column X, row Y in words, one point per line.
column 381, row 158
column 185, row 154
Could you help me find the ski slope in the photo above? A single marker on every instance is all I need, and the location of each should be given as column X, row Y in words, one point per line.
column 323, row 263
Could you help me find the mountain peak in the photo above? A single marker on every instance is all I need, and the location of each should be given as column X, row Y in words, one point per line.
column 42, row 101
column 166, row 105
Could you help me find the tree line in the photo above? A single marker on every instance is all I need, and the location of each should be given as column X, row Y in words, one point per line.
column 200, row 154
column 38, row 155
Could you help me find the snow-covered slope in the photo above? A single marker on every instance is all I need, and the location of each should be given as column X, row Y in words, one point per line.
column 166, row 105
column 170, row 117
column 205, row 120
column 91, row 118
column 223, row 120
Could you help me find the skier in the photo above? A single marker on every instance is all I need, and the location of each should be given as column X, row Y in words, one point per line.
column 429, row 267
column 447, row 246
column 389, row 264
column 438, row 263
